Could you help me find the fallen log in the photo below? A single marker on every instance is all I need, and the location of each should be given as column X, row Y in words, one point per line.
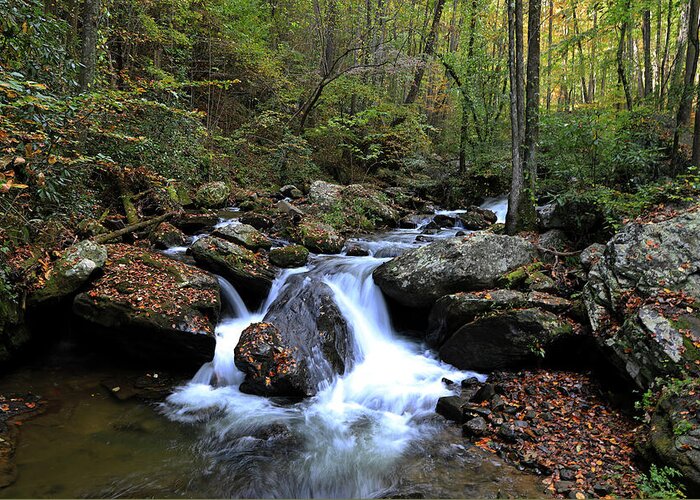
column 104, row 238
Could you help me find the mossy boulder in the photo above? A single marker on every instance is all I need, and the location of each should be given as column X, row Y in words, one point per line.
column 289, row 256
column 508, row 339
column 166, row 236
column 318, row 237
column 248, row 271
column 74, row 269
column 152, row 308
column 212, row 195
column 195, row 221
column 474, row 262
column 244, row 235
column 675, row 430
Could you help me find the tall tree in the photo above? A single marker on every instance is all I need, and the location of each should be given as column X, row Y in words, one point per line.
column 646, row 47
column 532, row 104
column 517, row 186
column 687, row 91
column 427, row 53
column 88, row 43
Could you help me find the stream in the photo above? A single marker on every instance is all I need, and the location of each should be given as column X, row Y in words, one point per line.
column 371, row 432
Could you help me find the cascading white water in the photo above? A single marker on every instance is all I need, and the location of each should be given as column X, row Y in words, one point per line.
column 346, row 437
column 344, row 441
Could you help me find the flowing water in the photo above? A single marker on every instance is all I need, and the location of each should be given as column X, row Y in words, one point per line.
column 367, row 433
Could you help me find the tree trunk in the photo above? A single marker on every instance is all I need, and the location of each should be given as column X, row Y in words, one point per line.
column 696, row 136
column 427, row 53
column 88, row 43
column 584, row 88
column 686, row 102
column 520, row 69
column 549, row 54
column 646, row 43
column 621, row 72
column 528, row 215
column 518, row 181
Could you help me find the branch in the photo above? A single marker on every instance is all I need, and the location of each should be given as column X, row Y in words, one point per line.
column 104, row 238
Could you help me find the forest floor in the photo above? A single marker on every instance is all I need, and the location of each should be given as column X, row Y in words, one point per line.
column 562, row 425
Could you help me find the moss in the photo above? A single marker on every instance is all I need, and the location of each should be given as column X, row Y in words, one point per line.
column 521, row 276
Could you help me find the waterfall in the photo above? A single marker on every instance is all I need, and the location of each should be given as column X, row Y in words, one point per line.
column 346, row 440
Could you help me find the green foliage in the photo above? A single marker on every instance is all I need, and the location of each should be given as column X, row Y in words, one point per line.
column 661, row 483
column 597, row 146
column 29, row 44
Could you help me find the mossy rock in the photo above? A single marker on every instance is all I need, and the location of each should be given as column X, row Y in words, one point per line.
column 318, row 237
column 166, row 236
column 70, row 272
column 245, row 235
column 212, row 195
column 289, row 256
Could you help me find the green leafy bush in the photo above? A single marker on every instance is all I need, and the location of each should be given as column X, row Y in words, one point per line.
column 661, row 483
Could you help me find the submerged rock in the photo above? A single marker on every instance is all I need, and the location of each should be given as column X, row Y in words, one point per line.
column 243, row 268
column 302, row 342
column 419, row 277
column 502, row 340
column 152, row 307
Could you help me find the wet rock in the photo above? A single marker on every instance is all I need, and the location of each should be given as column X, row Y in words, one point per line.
column 192, row 222
column 419, row 277
column 567, row 475
column 485, row 393
column 602, row 489
column 318, row 237
column 477, row 218
column 289, row 256
column 152, row 307
column 508, row 339
column 74, row 269
column 243, row 268
column 244, row 235
column 258, row 221
column 154, row 386
column 508, row 433
column 357, row 251
column 212, row 195
column 564, row 487
column 302, row 342
column 291, row 191
column 411, row 221
column 476, row 427
column 444, row 221
column 451, row 312
column 166, row 236
column 450, row 407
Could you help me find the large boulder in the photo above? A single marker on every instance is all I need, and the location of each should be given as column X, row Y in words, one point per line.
column 477, row 218
column 247, row 271
column 78, row 264
column 318, row 237
column 504, row 339
column 642, row 295
column 212, row 195
column 244, row 235
column 324, row 194
column 474, row 262
column 152, row 307
column 302, row 342
column 372, row 204
column 193, row 221
column 456, row 310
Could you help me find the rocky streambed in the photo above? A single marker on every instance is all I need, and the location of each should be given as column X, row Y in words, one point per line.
column 322, row 360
